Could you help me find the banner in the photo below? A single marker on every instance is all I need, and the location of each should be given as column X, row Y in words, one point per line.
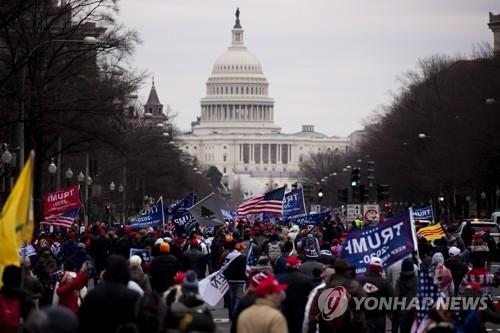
column 182, row 220
column 213, row 287
column 424, row 213
column 228, row 215
column 391, row 241
column 143, row 253
column 293, row 203
column 150, row 217
column 304, row 221
column 61, row 201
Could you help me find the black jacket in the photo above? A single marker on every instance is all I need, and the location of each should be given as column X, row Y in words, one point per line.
column 299, row 287
column 107, row 307
column 458, row 270
column 195, row 260
column 163, row 270
column 236, row 271
column 376, row 286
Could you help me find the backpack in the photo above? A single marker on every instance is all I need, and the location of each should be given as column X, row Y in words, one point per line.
column 10, row 315
column 273, row 251
column 310, row 247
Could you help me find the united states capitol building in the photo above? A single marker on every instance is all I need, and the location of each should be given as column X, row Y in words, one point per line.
column 236, row 131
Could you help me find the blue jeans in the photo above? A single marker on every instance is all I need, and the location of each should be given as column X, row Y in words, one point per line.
column 236, row 291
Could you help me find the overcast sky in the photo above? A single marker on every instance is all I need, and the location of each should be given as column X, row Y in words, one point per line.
column 329, row 63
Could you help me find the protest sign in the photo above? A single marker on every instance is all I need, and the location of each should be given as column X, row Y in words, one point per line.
column 424, row 213
column 143, row 253
column 353, row 212
column 304, row 221
column 391, row 241
column 150, row 217
column 61, row 201
column 293, row 203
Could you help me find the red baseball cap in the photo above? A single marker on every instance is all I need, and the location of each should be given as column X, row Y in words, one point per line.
column 269, row 286
column 193, row 242
column 293, row 261
column 257, row 278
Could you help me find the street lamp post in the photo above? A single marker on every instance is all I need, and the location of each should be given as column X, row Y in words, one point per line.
column 52, row 170
column 69, row 176
column 112, row 188
column 6, row 160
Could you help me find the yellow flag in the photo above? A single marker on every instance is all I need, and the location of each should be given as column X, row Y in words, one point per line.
column 16, row 219
column 432, row 232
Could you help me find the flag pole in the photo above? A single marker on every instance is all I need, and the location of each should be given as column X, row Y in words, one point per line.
column 413, row 232
column 162, row 213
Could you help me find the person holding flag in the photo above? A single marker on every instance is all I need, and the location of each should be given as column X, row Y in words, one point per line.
column 16, row 230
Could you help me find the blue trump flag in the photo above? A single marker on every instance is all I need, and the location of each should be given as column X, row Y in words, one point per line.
column 293, row 203
column 304, row 221
column 391, row 241
column 182, row 219
column 150, row 217
column 424, row 213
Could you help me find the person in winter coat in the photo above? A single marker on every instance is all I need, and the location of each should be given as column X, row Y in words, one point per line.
column 194, row 259
column 14, row 302
column 45, row 269
column 163, row 269
column 137, row 274
column 442, row 275
column 375, row 285
column 235, row 273
column 352, row 320
column 406, row 287
column 270, row 295
column 456, row 266
column 249, row 298
column 110, row 306
column 299, row 287
column 70, row 285
column 189, row 313
column 479, row 274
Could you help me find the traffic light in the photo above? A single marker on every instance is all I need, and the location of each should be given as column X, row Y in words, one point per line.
column 355, row 177
column 382, row 192
column 343, row 195
column 320, row 194
column 308, row 192
column 370, row 173
column 364, row 193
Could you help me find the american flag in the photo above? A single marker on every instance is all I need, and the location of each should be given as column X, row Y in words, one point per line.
column 65, row 219
column 271, row 202
column 426, row 291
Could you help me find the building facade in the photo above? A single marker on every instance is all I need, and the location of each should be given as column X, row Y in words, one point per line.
column 236, row 130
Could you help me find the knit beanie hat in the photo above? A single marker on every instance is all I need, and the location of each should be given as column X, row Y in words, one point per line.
column 407, row 267
column 375, row 265
column 190, row 283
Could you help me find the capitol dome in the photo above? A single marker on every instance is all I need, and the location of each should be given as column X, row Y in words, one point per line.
column 237, row 99
column 237, row 60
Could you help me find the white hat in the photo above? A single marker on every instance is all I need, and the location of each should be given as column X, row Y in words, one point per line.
column 159, row 241
column 454, row 251
column 135, row 260
column 375, row 261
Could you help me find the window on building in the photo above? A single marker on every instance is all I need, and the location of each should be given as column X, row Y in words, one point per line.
column 274, row 151
column 300, row 159
column 265, row 153
column 256, row 153
column 246, row 153
column 246, row 169
column 284, row 153
column 225, row 170
column 194, row 147
column 225, row 147
column 224, row 158
column 187, row 147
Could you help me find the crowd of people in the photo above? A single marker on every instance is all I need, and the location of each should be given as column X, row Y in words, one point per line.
column 90, row 281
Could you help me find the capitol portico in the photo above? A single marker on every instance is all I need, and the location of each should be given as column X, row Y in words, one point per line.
column 236, row 130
